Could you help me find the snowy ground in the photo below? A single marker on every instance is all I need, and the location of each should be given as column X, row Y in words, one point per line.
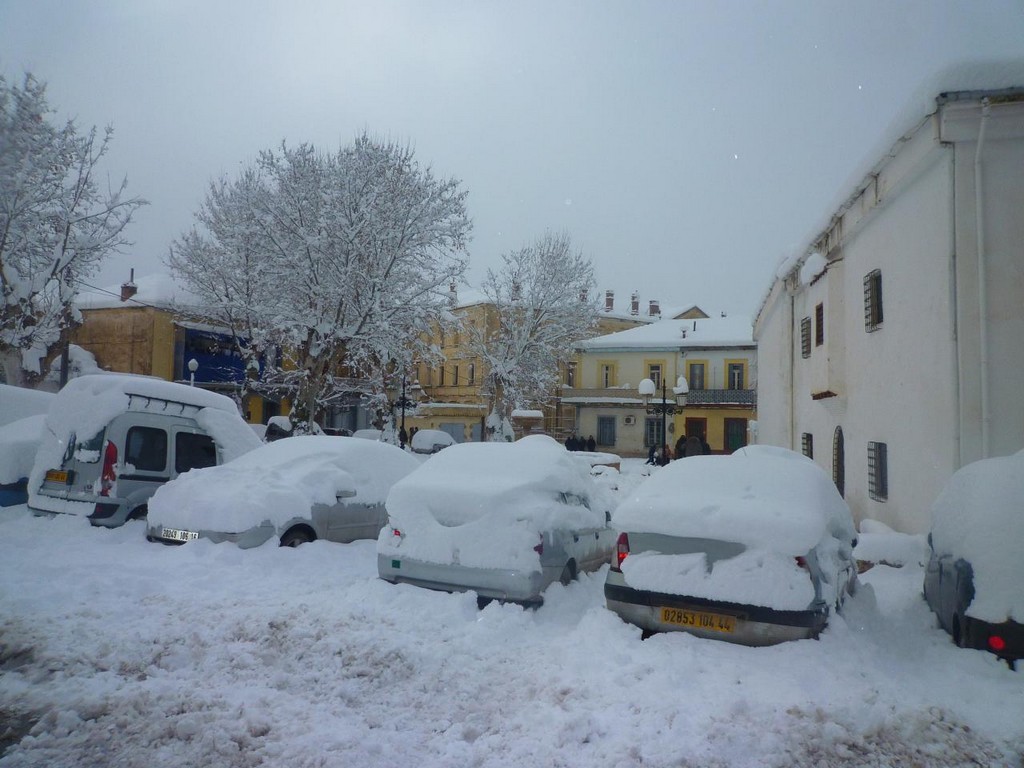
column 118, row 652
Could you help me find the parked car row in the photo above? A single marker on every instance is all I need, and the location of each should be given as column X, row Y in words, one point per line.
column 753, row 548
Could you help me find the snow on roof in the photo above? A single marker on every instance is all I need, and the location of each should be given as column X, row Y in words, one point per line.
column 279, row 481
column 778, row 501
column 977, row 518
column 157, row 290
column 966, row 76
column 731, row 331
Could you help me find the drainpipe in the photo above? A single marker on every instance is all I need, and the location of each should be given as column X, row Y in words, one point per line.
column 979, row 220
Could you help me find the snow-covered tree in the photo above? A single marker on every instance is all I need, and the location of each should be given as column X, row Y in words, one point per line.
column 540, row 308
column 339, row 260
column 56, row 226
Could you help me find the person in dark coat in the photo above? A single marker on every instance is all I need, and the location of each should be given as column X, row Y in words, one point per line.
column 651, row 454
column 591, row 444
column 681, row 447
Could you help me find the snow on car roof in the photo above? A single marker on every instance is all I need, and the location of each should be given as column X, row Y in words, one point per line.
column 759, row 498
column 513, row 481
column 18, row 443
column 278, row 481
column 977, row 517
column 18, row 402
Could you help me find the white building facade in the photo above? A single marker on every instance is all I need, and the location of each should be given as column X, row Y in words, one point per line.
column 892, row 351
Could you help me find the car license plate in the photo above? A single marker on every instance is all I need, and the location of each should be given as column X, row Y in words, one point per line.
column 176, row 535
column 57, row 476
column 714, row 622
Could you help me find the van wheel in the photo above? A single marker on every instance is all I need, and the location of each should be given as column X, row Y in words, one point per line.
column 296, row 536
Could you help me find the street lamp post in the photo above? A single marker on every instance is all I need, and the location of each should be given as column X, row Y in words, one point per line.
column 666, row 407
column 404, row 402
column 193, row 366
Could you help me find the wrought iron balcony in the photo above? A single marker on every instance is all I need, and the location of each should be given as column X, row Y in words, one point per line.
column 739, row 397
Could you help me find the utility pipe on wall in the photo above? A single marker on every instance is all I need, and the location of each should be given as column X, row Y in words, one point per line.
column 979, row 221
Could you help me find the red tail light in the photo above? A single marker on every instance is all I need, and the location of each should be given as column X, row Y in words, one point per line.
column 621, row 551
column 109, row 474
column 801, row 562
column 996, row 643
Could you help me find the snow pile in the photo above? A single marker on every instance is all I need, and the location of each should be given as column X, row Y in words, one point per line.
column 279, row 481
column 977, row 517
column 18, row 443
column 490, row 501
column 878, row 543
column 213, row 656
column 18, row 402
column 814, row 266
column 760, row 499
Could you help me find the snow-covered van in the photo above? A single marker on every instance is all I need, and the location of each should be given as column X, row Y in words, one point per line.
column 112, row 439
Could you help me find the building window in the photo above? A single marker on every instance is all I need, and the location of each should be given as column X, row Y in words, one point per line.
column 873, row 300
column 805, row 337
column 819, row 325
column 695, row 379
column 570, row 374
column 807, row 444
column 878, row 471
column 607, row 372
column 455, row 376
column 606, row 430
column 839, row 461
column 472, row 373
column 735, row 372
column 652, row 433
column 654, row 373
column 440, row 376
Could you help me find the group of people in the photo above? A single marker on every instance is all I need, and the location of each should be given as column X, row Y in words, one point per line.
column 685, row 446
column 574, row 443
column 406, row 437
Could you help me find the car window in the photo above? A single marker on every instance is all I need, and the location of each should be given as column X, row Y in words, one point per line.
column 193, row 451
column 88, row 451
column 574, row 500
column 146, row 449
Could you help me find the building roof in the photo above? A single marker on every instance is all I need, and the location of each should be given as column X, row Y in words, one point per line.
column 732, row 331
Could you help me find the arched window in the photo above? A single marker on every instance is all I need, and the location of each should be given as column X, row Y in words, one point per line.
column 839, row 462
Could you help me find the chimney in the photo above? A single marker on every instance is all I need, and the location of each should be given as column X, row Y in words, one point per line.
column 655, row 308
column 609, row 301
column 634, row 304
column 129, row 289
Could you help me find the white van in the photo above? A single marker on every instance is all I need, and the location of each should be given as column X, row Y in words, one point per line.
column 112, row 439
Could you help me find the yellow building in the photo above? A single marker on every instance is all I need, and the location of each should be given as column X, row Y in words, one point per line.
column 716, row 356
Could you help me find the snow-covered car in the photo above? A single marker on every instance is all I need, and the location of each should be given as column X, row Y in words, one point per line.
column 19, row 441
column 295, row 490
column 430, row 441
column 974, row 580
column 754, row 548
column 504, row 520
column 112, row 439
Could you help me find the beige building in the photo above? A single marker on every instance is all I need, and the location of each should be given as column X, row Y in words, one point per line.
column 716, row 356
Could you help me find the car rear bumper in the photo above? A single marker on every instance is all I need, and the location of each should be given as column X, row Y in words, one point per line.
column 750, row 624
column 101, row 511
column 980, row 634
column 252, row 537
column 499, row 584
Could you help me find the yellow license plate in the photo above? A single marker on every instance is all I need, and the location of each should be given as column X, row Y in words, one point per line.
column 712, row 622
column 57, row 476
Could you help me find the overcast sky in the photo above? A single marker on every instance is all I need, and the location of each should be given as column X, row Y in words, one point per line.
column 686, row 147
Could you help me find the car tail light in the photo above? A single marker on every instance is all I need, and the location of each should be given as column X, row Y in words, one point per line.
column 997, row 643
column 621, row 551
column 109, row 474
column 801, row 562
column 396, row 532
